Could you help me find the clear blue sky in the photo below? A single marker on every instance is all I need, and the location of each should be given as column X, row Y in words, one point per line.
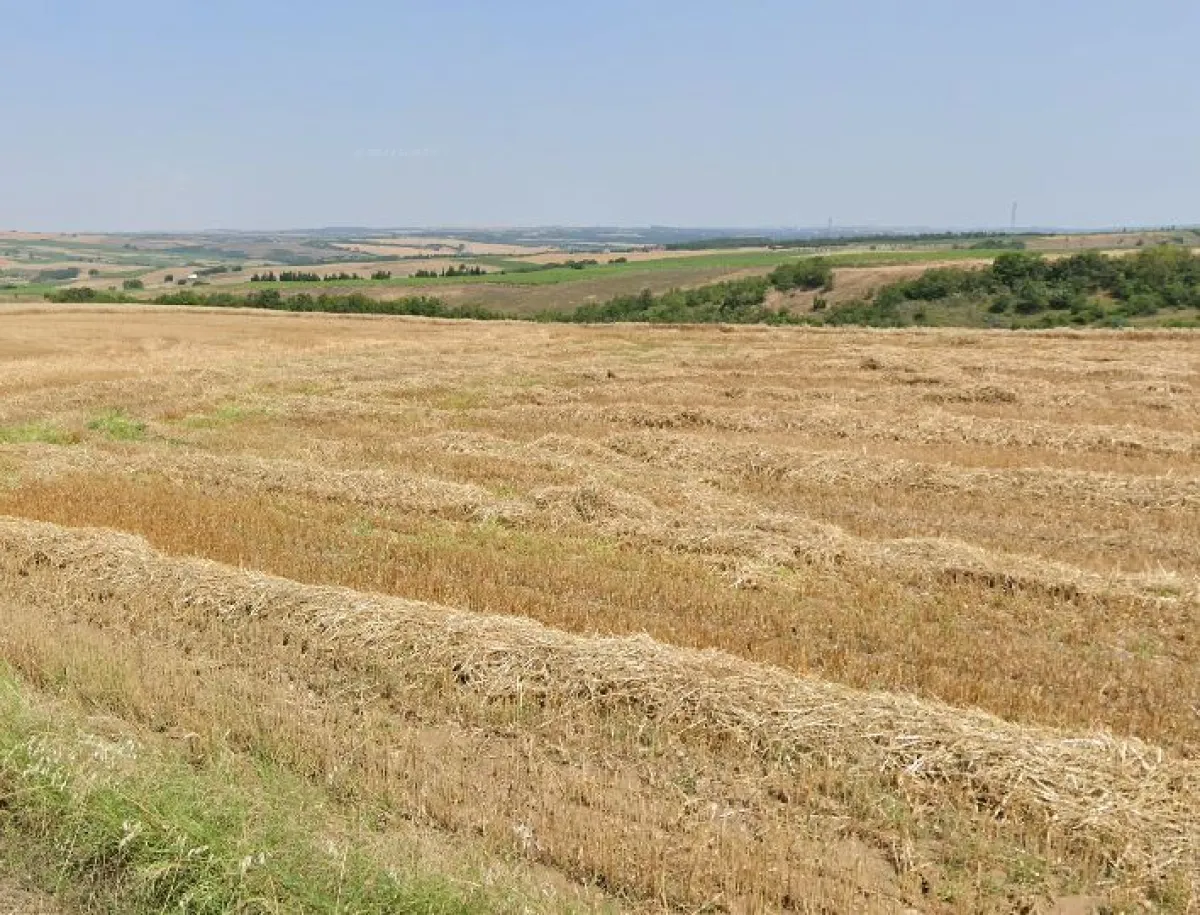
column 182, row 114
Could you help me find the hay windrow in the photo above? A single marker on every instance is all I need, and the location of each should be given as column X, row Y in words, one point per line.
column 697, row 520
column 1135, row 796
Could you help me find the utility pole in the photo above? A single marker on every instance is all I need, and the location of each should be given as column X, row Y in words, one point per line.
column 1014, row 216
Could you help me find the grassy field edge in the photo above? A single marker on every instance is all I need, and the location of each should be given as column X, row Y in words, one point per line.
column 113, row 823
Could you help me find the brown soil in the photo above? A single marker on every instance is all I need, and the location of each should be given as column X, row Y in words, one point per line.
column 17, row 901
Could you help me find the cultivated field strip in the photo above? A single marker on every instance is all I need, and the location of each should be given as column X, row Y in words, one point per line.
column 607, row 725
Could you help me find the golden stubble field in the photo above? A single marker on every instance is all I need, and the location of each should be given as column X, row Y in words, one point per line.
column 752, row 618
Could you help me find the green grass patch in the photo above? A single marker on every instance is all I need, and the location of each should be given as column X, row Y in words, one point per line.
column 25, row 433
column 118, row 426
column 131, row 829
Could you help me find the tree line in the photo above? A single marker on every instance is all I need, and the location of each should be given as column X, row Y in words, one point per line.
column 353, row 303
column 452, row 270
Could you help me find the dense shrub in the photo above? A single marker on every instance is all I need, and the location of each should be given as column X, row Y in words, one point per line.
column 809, row 273
column 84, row 294
column 1085, row 288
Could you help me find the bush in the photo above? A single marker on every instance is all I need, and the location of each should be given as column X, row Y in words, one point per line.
column 83, row 294
column 1009, row 269
column 133, row 284
column 809, row 273
column 1142, row 303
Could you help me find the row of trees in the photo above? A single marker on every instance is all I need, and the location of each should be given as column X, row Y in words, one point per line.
column 301, row 276
column 286, row 276
column 354, row 303
column 452, row 270
column 84, row 294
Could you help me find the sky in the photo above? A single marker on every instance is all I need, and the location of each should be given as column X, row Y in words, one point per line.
column 204, row 114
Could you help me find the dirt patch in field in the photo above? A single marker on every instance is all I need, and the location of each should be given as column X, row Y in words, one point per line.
column 14, row 900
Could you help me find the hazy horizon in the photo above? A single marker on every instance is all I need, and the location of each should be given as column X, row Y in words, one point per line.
column 135, row 116
column 734, row 230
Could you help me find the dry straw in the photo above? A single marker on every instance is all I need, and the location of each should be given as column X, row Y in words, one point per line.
column 701, row 521
column 1131, row 795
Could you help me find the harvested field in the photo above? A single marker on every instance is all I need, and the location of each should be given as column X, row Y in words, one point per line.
column 746, row 618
